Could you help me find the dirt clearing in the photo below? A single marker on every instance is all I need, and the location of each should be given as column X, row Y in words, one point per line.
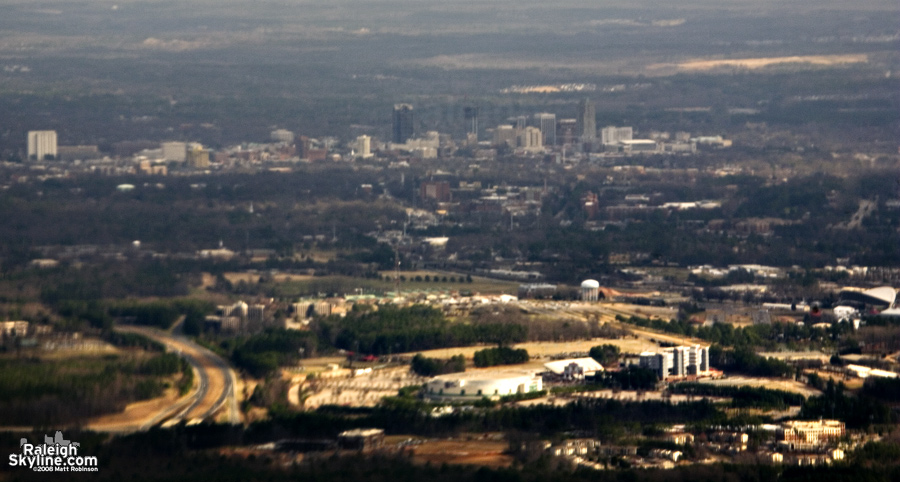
column 763, row 62
column 470, row 451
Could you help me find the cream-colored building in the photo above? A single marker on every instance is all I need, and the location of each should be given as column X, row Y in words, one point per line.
column 13, row 328
column 530, row 139
column 808, row 435
column 41, row 144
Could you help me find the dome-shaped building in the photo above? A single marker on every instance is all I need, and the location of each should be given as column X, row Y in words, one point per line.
column 590, row 290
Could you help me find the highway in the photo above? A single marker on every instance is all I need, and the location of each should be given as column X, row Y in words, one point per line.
column 213, row 390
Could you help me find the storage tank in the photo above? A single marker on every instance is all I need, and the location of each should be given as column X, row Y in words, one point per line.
column 590, row 290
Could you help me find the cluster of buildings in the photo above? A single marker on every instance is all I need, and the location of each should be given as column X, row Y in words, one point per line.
column 238, row 318
column 25, row 334
column 451, row 302
column 797, row 443
column 494, row 384
column 581, row 136
column 539, row 133
column 592, row 454
column 678, row 362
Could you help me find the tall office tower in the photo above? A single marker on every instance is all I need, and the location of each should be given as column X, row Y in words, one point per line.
column 364, row 146
column 587, row 121
column 565, row 131
column 41, row 144
column 403, row 123
column 530, row 138
column 547, row 123
column 613, row 134
column 471, row 116
column 520, row 122
column 197, row 156
column 174, row 151
column 505, row 135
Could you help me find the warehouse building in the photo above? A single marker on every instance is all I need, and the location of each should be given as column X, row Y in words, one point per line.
column 479, row 384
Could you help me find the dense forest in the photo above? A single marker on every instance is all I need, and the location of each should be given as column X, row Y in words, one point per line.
column 63, row 392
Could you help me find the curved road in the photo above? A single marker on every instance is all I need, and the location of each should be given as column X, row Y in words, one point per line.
column 215, row 387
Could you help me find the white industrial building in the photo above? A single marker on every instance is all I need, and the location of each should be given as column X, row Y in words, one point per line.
column 638, row 145
column 679, row 361
column 574, row 368
column 478, row 384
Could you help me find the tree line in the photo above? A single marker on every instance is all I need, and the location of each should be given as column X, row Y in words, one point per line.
column 502, row 355
column 429, row 367
column 396, row 330
column 742, row 397
column 48, row 392
column 263, row 353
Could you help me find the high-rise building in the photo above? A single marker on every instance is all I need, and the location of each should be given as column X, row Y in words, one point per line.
column 521, row 122
column 364, row 146
column 586, row 127
column 174, row 151
column 256, row 316
column 471, row 115
column 197, row 156
column 679, row 361
column 505, row 135
column 403, row 123
column 613, row 135
column 566, row 131
column 530, row 139
column 41, row 144
column 547, row 123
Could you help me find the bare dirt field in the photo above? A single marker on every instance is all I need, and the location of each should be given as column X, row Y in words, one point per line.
column 469, row 451
column 676, row 339
column 136, row 414
column 852, row 383
column 664, row 313
column 548, row 349
column 770, row 383
column 763, row 62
